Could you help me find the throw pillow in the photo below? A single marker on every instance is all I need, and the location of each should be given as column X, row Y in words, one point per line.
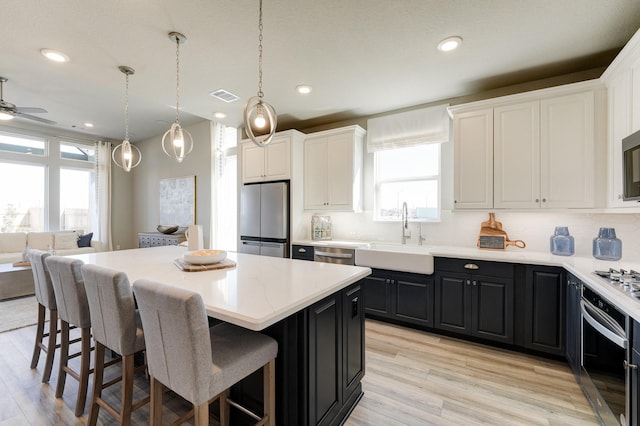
column 66, row 241
column 85, row 240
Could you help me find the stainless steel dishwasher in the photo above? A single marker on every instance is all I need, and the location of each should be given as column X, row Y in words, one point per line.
column 342, row 256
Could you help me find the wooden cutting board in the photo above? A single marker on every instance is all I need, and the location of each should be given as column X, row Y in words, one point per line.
column 188, row 267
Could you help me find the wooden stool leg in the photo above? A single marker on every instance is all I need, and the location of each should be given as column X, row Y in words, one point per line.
column 128, row 369
column 51, row 345
column 201, row 414
column 37, row 347
column 64, row 358
column 85, row 367
column 269, row 385
column 224, row 408
column 156, row 402
column 98, row 375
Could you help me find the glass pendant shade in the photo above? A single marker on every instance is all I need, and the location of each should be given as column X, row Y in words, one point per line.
column 126, row 155
column 260, row 118
column 177, row 142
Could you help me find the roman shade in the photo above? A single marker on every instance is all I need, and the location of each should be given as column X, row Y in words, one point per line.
column 411, row 128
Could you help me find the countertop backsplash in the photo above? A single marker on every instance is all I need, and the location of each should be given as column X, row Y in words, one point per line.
column 462, row 228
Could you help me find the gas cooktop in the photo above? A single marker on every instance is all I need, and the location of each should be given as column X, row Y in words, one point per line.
column 627, row 281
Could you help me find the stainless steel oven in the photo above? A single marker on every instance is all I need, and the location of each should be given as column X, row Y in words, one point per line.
column 605, row 356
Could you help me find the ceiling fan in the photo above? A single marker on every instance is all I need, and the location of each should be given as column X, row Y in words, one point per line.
column 9, row 110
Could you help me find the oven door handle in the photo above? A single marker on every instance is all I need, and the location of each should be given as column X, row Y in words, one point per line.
column 603, row 324
column 334, row 255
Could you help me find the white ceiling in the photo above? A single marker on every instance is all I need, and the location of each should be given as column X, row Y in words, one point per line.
column 362, row 57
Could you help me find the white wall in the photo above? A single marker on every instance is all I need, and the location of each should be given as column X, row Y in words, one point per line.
column 156, row 165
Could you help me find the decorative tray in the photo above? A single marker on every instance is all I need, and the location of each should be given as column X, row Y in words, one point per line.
column 189, row 267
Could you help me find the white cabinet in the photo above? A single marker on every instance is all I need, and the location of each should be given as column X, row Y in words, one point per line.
column 333, row 169
column 622, row 78
column 272, row 162
column 473, row 164
column 526, row 151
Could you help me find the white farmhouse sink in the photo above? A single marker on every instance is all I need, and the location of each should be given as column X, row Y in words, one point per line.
column 396, row 257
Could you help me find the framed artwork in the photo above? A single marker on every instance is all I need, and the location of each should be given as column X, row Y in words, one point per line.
column 178, row 201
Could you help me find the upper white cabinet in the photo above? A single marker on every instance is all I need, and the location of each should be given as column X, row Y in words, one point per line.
column 333, row 169
column 269, row 163
column 527, row 151
column 622, row 78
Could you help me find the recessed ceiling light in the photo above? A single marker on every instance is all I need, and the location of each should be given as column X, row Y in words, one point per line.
column 449, row 44
column 89, row 125
column 219, row 115
column 5, row 116
column 54, row 55
column 303, row 89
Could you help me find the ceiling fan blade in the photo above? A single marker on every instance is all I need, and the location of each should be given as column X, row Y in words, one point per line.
column 31, row 110
column 34, row 118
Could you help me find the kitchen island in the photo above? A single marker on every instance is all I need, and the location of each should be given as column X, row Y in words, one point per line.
column 314, row 311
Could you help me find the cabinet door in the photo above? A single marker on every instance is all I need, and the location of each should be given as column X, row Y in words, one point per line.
column 635, row 389
column 325, row 354
column 353, row 343
column 545, row 309
column 315, row 173
column 377, row 300
column 619, row 94
column 473, row 164
column 414, row 301
column 340, row 171
column 278, row 159
column 567, row 151
column 572, row 351
column 492, row 308
column 453, row 303
column 252, row 162
column 516, row 159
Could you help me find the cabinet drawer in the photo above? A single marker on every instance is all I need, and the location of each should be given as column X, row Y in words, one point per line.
column 479, row 267
column 302, row 252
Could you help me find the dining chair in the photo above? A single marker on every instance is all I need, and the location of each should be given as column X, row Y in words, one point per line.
column 197, row 362
column 73, row 310
column 116, row 326
column 46, row 301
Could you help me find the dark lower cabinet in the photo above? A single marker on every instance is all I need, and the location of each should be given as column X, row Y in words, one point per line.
column 544, row 319
column 475, row 304
column 319, row 366
column 400, row 296
column 634, row 409
column 573, row 328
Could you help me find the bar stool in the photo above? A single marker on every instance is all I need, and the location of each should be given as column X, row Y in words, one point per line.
column 46, row 300
column 116, row 327
column 73, row 309
column 197, row 362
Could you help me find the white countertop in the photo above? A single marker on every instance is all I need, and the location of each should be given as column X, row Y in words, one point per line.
column 581, row 267
column 257, row 293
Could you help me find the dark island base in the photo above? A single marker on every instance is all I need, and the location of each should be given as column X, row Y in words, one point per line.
column 319, row 366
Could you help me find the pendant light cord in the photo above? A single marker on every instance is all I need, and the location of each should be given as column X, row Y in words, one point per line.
column 177, row 79
column 260, row 94
column 126, row 106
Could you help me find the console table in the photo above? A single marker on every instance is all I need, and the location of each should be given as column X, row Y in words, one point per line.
column 155, row 239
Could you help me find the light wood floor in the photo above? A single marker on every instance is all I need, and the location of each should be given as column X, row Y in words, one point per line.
column 412, row 378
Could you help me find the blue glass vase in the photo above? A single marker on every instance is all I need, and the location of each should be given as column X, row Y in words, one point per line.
column 562, row 244
column 606, row 246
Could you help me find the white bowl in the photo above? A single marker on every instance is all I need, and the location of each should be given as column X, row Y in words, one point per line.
column 204, row 257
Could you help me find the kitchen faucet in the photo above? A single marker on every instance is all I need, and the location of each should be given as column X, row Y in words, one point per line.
column 406, row 232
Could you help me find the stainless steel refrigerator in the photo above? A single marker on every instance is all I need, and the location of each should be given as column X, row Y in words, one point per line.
column 264, row 219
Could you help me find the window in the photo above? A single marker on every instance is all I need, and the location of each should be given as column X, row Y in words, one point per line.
column 48, row 183
column 22, row 197
column 410, row 175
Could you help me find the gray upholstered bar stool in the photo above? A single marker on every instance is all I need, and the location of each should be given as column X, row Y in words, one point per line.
column 116, row 327
column 197, row 362
column 46, row 301
column 73, row 309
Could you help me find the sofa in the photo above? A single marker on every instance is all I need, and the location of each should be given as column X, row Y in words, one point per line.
column 13, row 244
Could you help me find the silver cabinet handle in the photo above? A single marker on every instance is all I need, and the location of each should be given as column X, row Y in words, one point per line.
column 627, row 365
column 336, row 255
column 302, row 250
column 471, row 266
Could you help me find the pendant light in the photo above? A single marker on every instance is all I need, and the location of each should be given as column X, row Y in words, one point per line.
column 259, row 116
column 126, row 155
column 177, row 142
